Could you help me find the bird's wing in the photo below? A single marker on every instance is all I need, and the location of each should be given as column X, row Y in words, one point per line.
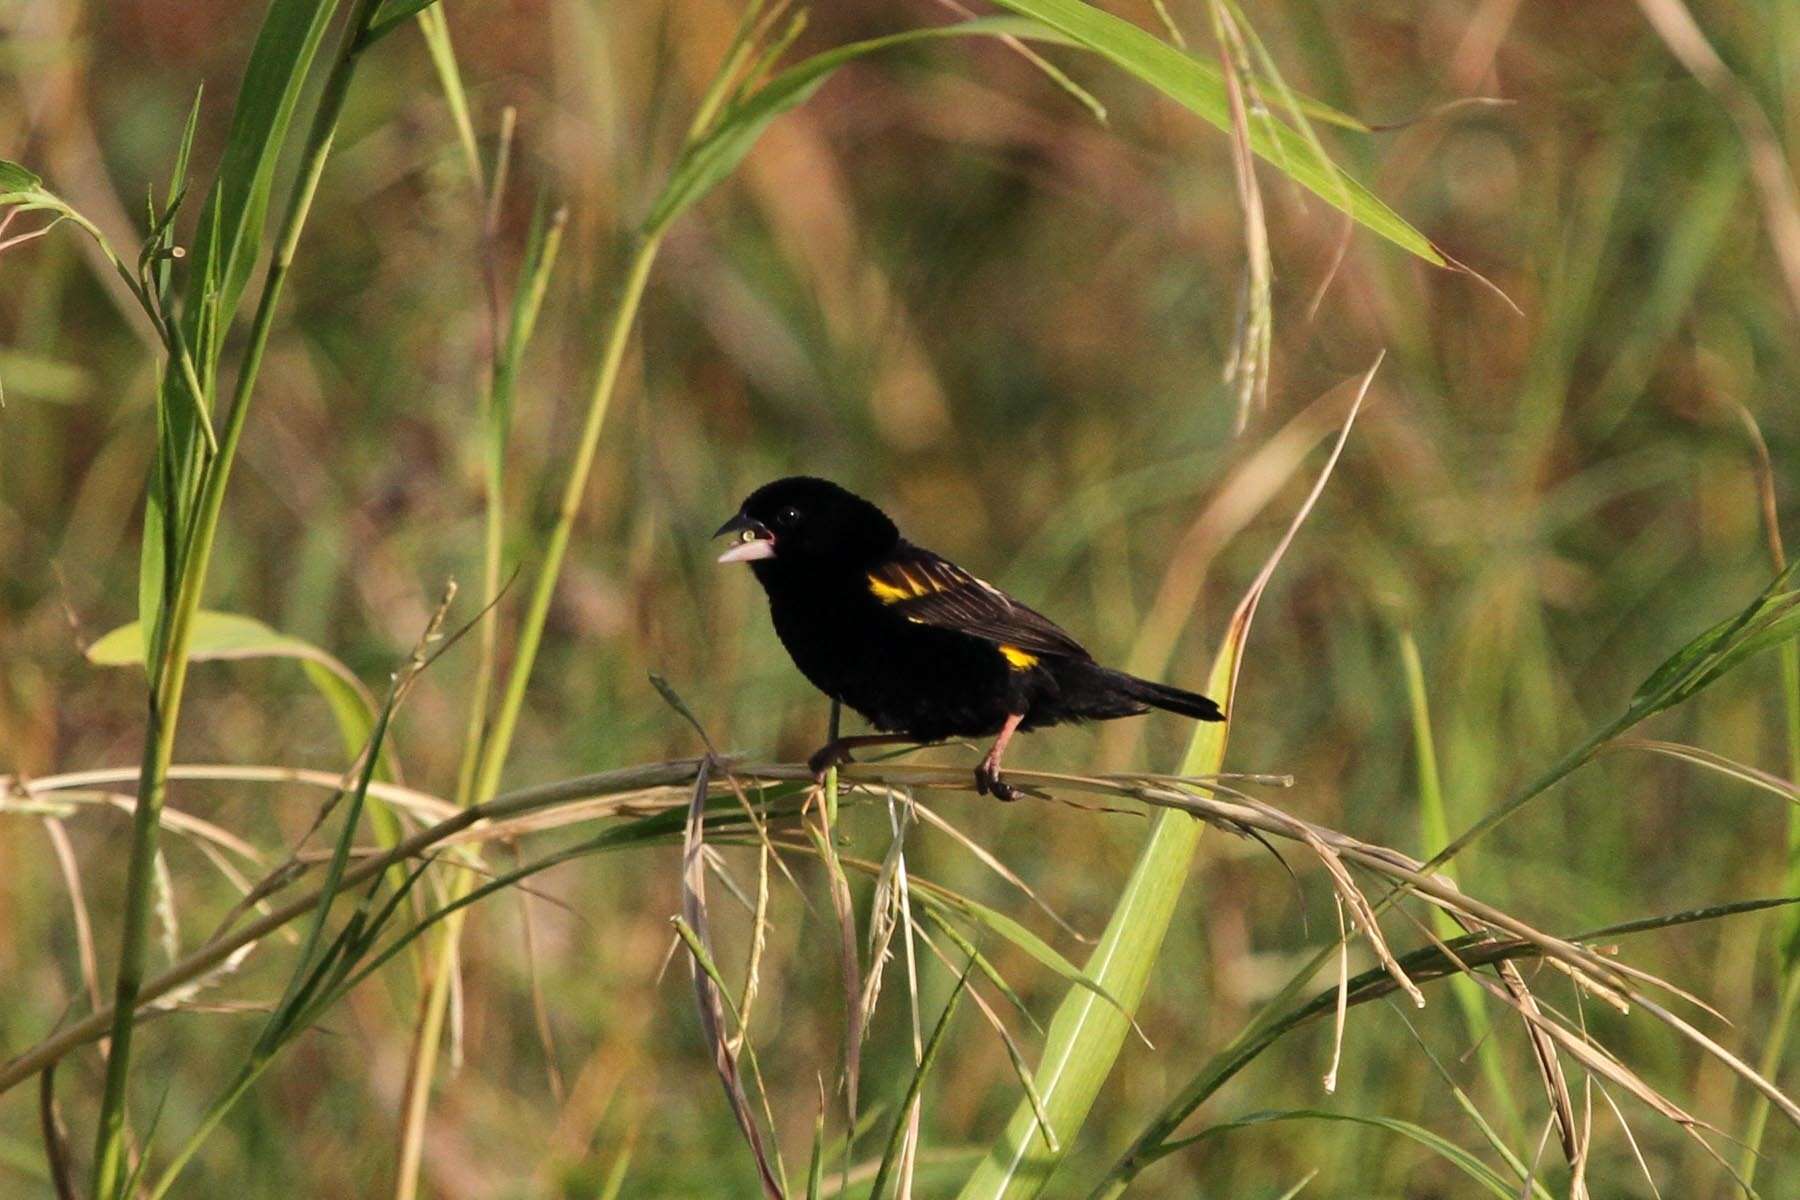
column 930, row 590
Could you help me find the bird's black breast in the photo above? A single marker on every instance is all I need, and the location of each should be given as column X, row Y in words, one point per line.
column 900, row 675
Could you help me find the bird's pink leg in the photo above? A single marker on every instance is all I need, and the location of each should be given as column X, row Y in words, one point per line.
column 987, row 775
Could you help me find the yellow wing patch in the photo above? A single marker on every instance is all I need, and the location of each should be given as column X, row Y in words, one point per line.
column 886, row 592
column 900, row 584
column 1017, row 658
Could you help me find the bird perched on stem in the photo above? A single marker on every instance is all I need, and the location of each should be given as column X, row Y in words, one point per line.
column 921, row 648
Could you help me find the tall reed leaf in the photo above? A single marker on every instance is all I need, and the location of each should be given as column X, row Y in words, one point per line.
column 1086, row 1034
column 189, row 478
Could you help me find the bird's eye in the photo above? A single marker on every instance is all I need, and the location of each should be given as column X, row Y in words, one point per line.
column 788, row 517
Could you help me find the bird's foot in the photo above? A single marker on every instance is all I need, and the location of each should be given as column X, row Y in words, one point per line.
column 989, row 783
column 831, row 754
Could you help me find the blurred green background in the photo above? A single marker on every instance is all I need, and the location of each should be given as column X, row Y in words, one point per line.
column 943, row 283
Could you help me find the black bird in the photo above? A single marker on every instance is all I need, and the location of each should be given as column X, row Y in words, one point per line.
column 921, row 648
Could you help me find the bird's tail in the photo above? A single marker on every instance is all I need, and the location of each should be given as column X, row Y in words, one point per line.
column 1170, row 699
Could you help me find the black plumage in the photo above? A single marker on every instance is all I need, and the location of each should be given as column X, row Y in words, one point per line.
column 917, row 645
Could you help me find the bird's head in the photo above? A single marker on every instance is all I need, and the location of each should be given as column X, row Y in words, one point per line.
column 803, row 522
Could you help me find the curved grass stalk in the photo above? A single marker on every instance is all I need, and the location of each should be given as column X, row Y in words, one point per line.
column 422, row 805
column 650, row 791
column 217, row 951
column 673, row 781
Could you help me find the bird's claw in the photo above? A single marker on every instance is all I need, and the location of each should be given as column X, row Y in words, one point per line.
column 989, row 783
column 831, row 754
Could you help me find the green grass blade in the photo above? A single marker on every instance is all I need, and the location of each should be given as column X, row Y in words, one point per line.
column 1194, row 84
column 435, row 28
column 1201, row 90
column 988, row 970
column 1772, row 619
column 815, row 1167
column 1434, row 832
column 1490, row 1180
column 937, row 901
column 229, row 240
column 1788, row 946
column 312, row 968
column 897, row 1138
column 391, row 15
column 1464, row 1102
column 713, row 156
column 17, row 180
column 239, row 204
column 223, row 635
column 215, row 635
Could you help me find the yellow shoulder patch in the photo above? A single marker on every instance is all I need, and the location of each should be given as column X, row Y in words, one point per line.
column 1017, row 658
column 889, row 591
column 886, row 592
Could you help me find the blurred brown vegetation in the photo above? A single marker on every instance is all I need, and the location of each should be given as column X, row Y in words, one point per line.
column 943, row 283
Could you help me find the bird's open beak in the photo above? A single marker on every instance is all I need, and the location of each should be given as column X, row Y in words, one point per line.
column 751, row 540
